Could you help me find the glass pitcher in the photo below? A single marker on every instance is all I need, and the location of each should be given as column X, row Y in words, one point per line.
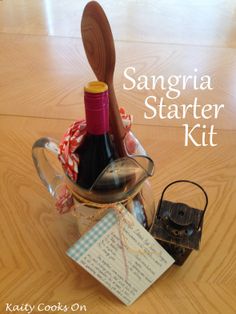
column 135, row 194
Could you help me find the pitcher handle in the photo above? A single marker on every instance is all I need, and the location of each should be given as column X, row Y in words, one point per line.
column 50, row 177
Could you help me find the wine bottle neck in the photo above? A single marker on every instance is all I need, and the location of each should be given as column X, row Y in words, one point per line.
column 97, row 112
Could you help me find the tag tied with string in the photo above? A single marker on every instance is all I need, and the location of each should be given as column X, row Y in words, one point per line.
column 121, row 254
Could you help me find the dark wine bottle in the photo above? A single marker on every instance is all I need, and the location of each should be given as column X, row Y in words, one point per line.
column 96, row 151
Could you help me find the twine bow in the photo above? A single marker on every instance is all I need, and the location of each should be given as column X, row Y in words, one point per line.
column 65, row 200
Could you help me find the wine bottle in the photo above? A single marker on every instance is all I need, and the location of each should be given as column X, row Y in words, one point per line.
column 96, row 151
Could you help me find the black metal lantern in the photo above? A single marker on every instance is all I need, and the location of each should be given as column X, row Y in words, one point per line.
column 177, row 226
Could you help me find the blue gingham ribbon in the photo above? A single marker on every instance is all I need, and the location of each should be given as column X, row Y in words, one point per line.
column 92, row 236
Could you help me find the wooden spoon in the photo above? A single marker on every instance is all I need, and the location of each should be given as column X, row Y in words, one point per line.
column 100, row 50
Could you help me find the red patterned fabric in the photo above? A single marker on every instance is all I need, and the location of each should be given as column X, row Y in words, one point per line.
column 64, row 200
column 72, row 139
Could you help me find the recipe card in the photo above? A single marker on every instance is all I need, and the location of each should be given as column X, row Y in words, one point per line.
column 122, row 255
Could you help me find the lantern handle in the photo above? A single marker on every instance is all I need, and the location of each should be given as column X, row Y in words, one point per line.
column 191, row 182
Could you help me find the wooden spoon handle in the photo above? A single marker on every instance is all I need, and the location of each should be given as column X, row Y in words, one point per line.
column 100, row 51
column 116, row 123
